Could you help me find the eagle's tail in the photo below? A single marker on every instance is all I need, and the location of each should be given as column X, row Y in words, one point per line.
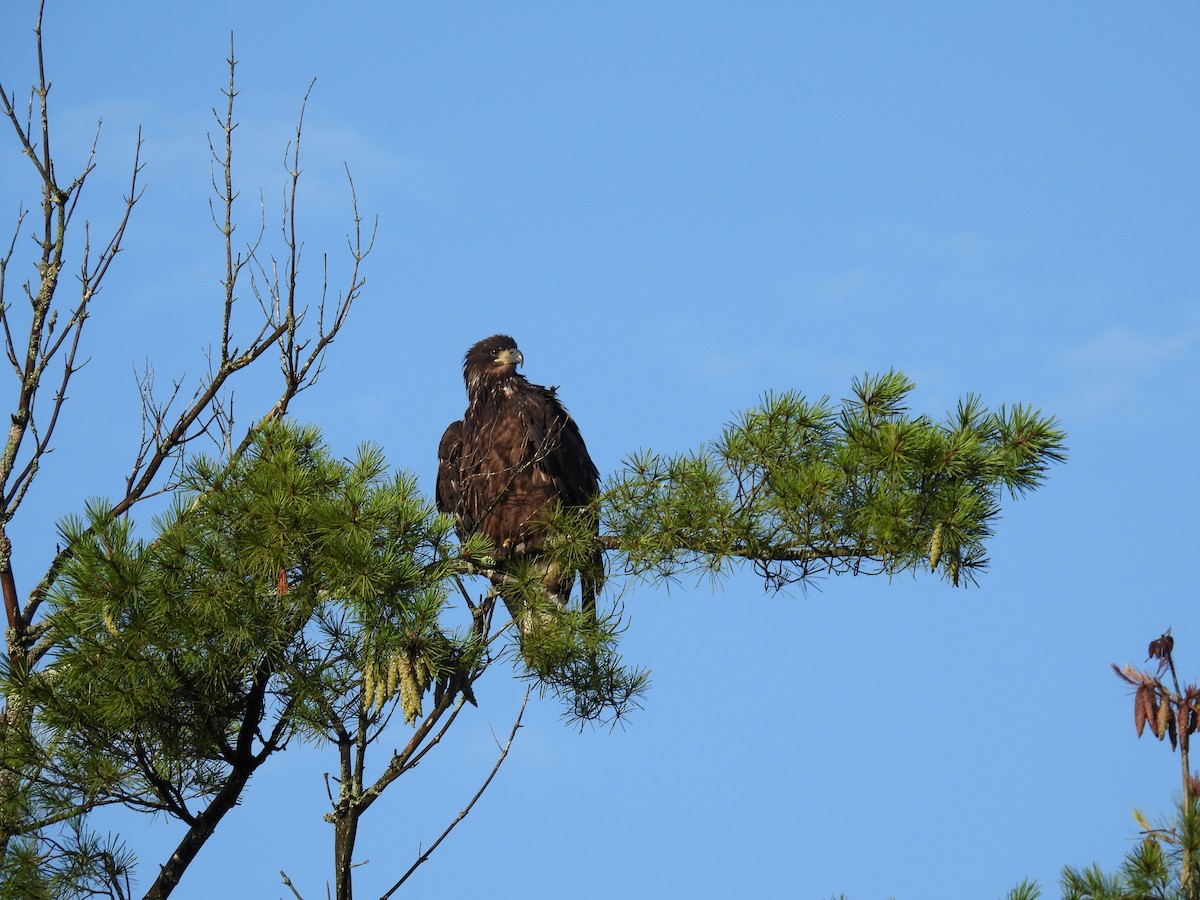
column 590, row 583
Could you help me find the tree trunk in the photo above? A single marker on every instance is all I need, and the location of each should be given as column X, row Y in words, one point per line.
column 16, row 714
column 201, row 830
column 1185, row 825
column 345, row 832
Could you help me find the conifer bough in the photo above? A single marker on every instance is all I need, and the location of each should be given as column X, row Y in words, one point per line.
column 799, row 488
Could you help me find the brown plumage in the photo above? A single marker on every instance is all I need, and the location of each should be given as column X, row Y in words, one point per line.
column 512, row 460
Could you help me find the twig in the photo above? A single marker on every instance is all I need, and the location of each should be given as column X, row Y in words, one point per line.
column 291, row 887
column 467, row 809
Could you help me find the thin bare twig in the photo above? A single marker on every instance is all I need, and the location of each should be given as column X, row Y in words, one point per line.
column 291, row 887
column 467, row 809
column 30, row 361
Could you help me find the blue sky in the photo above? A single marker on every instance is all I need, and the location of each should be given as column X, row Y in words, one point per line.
column 675, row 208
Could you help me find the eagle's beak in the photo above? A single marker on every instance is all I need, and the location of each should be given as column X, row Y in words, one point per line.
column 510, row 356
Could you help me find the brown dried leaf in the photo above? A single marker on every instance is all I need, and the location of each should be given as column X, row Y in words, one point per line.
column 1161, row 648
column 1130, row 675
column 1181, row 724
column 1171, row 727
column 1141, row 709
column 1158, row 717
column 1151, row 711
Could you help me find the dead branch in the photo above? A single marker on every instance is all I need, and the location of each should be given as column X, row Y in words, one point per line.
column 470, row 805
column 19, row 461
column 288, row 883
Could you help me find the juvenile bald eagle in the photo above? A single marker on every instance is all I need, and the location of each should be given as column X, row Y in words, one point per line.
column 510, row 463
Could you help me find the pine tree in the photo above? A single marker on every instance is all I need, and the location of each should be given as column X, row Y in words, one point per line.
column 290, row 596
column 47, row 790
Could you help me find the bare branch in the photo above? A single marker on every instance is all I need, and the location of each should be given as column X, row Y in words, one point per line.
column 9, row 345
column 301, row 371
column 467, row 809
column 42, row 346
column 288, row 883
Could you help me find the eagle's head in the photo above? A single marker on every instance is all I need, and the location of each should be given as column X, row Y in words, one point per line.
column 493, row 357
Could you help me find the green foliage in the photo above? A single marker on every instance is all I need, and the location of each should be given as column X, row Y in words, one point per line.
column 1090, row 884
column 798, row 487
column 267, row 592
column 285, row 595
column 75, row 863
column 1026, row 890
column 290, row 595
column 577, row 661
column 570, row 653
column 1152, row 870
column 264, row 592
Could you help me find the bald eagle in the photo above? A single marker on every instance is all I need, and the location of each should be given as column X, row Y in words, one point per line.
column 514, row 460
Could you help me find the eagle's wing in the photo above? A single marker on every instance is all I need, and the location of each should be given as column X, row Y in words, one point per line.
column 556, row 448
column 519, row 454
column 564, row 465
column 516, row 455
column 448, row 491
